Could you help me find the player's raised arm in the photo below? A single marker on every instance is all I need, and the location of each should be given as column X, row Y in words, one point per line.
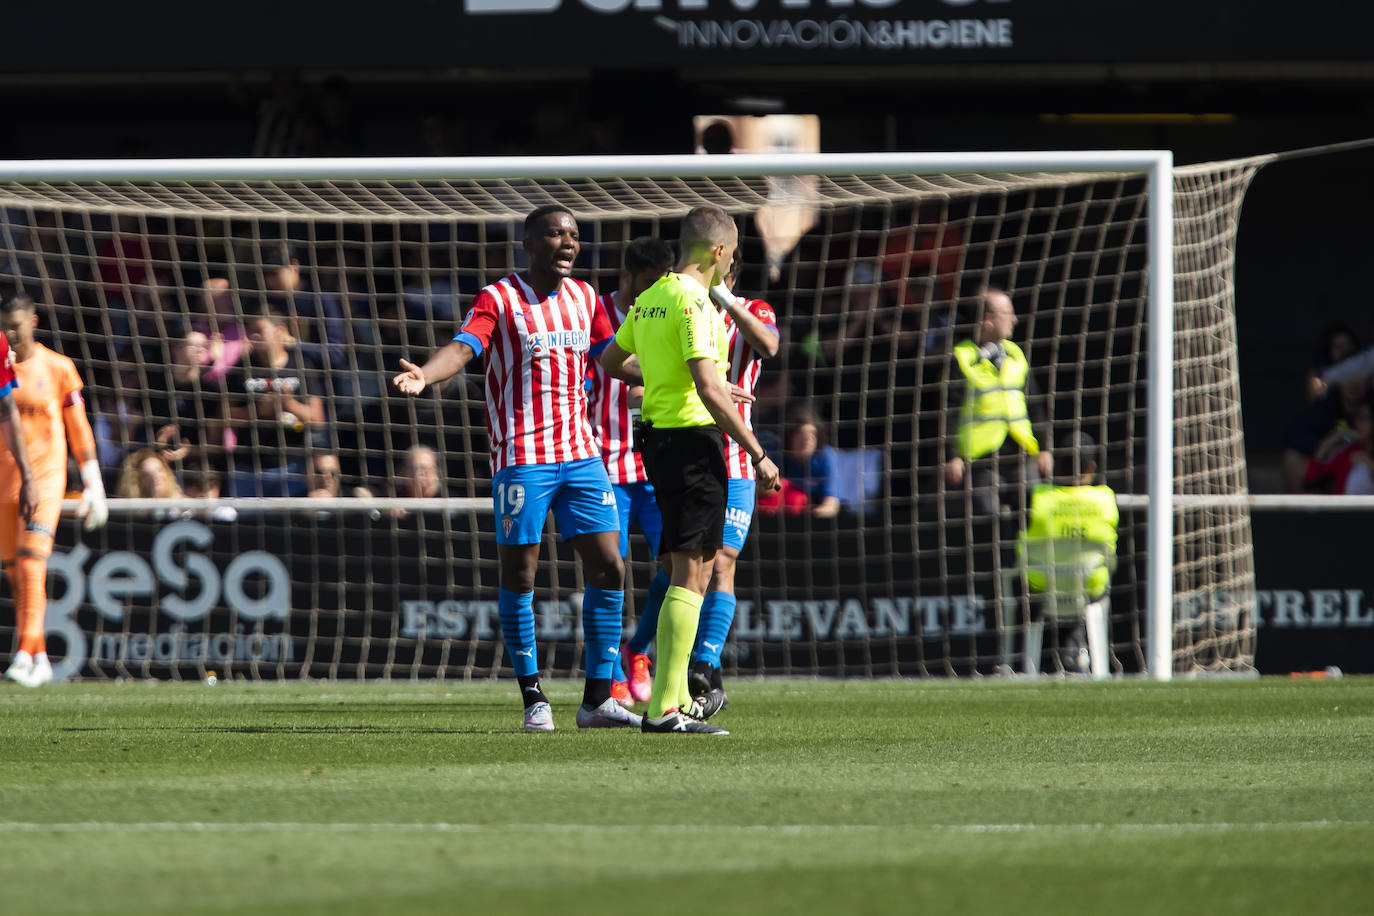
column 446, row 362
column 479, row 325
column 762, row 336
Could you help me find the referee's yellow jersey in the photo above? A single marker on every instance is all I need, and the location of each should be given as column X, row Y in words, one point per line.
column 672, row 322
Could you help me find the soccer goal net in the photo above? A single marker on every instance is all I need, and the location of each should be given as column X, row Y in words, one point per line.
column 167, row 281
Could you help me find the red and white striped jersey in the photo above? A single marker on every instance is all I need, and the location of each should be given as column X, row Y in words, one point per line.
column 608, row 405
column 536, row 368
column 746, row 364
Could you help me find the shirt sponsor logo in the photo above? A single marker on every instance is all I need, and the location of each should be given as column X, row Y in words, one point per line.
column 539, row 344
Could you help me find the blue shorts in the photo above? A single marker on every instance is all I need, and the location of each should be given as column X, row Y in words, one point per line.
column 637, row 504
column 578, row 492
column 739, row 512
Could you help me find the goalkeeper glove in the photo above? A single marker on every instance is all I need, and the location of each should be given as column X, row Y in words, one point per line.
column 93, row 507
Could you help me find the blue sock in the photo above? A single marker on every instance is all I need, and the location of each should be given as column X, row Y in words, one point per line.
column 717, row 614
column 602, row 612
column 517, row 628
column 648, row 621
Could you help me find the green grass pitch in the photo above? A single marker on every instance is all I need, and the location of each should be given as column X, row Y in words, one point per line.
column 829, row 797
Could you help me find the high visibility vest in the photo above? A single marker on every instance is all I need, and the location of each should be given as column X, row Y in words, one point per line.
column 994, row 402
column 1069, row 546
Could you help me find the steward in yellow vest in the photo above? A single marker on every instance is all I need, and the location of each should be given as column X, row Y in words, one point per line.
column 1068, row 555
column 994, row 401
column 989, row 414
column 1069, row 547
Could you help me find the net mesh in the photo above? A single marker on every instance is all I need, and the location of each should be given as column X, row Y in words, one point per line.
column 155, row 289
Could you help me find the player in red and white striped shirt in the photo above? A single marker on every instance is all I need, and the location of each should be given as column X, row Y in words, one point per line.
column 537, row 329
column 645, row 260
column 753, row 335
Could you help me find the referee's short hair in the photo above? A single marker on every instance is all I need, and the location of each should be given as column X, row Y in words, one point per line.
column 542, row 212
column 704, row 227
column 648, row 252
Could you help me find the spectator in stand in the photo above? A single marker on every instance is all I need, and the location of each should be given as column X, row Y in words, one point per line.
column 326, row 477
column 129, row 263
column 200, row 480
column 129, row 275
column 808, row 463
column 418, row 475
column 1342, row 450
column 146, row 474
column 1360, row 480
column 925, row 257
column 1323, row 422
column 173, row 405
column 1338, row 344
column 316, row 316
column 273, row 405
column 222, row 328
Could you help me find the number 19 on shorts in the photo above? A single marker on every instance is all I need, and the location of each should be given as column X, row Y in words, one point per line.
column 510, row 498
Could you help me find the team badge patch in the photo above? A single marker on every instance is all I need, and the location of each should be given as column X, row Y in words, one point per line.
column 506, row 523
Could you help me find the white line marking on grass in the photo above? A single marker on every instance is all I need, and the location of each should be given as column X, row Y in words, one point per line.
column 742, row 829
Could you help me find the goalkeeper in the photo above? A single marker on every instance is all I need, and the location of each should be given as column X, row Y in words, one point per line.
column 1069, row 553
column 53, row 417
column 680, row 340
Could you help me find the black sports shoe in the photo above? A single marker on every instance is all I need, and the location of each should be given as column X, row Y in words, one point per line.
column 675, row 722
column 706, row 705
column 699, row 678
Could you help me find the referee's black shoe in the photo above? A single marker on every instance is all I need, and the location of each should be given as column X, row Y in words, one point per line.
column 676, row 722
column 706, row 705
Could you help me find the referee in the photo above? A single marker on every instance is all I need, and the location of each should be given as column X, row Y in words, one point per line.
column 679, row 338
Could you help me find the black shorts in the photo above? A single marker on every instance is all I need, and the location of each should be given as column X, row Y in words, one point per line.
column 686, row 465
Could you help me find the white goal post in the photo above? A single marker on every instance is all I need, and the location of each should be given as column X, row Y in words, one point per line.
column 953, row 173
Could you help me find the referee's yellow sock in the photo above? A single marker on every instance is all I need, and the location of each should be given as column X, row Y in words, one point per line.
column 677, row 632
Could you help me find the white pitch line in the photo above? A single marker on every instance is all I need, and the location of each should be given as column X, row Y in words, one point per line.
column 739, row 829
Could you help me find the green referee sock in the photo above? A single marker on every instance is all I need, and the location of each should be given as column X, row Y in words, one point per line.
column 677, row 632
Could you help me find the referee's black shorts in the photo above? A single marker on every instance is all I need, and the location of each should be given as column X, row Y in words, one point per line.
column 686, row 465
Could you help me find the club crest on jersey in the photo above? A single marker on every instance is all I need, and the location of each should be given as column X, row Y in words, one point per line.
column 507, row 523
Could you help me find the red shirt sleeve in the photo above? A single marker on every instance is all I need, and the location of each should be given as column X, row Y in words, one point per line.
column 763, row 312
column 602, row 331
column 480, row 321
